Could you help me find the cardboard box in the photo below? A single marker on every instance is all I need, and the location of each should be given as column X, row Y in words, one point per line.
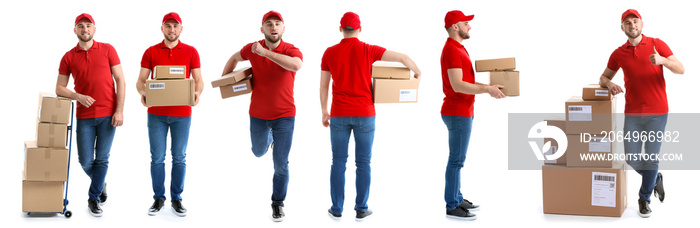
column 233, row 77
column 42, row 196
column 170, row 72
column 54, row 109
column 44, row 164
column 51, row 135
column 589, row 116
column 244, row 86
column 509, row 79
column 584, row 191
column 594, row 92
column 495, row 64
column 392, row 70
column 395, row 91
column 559, row 122
column 596, row 146
column 173, row 92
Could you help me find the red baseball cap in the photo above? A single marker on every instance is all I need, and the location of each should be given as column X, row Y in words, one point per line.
column 272, row 13
column 84, row 16
column 455, row 16
column 631, row 12
column 172, row 15
column 351, row 20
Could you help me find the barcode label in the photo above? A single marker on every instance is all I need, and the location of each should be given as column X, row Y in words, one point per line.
column 177, row 70
column 604, row 178
column 603, row 189
column 552, row 150
column 601, row 92
column 241, row 87
column 580, row 113
column 574, row 109
column 156, row 86
column 408, row 95
column 599, row 145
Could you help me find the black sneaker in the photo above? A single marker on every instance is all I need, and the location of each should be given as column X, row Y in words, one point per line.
column 644, row 210
column 155, row 208
column 334, row 215
column 94, row 208
column 363, row 215
column 659, row 191
column 178, row 208
column 103, row 196
column 277, row 213
column 461, row 214
column 466, row 204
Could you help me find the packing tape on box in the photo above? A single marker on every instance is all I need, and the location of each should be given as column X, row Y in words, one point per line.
column 47, row 154
column 47, row 175
column 51, row 141
column 54, row 118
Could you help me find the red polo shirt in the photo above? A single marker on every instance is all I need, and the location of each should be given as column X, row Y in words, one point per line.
column 92, row 76
column 644, row 83
column 454, row 55
column 273, row 86
column 350, row 63
column 181, row 54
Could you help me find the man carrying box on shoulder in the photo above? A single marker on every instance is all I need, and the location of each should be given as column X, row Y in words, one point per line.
column 272, row 110
column 646, row 109
column 95, row 68
column 175, row 118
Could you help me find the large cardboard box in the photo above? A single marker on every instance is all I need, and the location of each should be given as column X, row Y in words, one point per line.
column 173, row 92
column 170, row 72
column 509, row 79
column 594, row 92
column 495, row 64
column 560, row 122
column 593, row 151
column 244, row 86
column 233, row 77
column 589, row 116
column 42, row 196
column 392, row 70
column 395, row 91
column 51, row 135
column 54, row 109
column 584, row 191
column 44, row 164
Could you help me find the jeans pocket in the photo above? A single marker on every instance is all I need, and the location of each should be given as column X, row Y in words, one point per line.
column 336, row 123
column 367, row 124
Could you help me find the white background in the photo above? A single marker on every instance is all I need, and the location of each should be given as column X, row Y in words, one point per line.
column 559, row 46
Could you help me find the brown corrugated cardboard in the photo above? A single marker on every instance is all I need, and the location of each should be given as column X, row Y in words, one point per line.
column 495, row 64
column 170, row 72
column 584, row 191
column 51, row 135
column 395, row 91
column 44, row 164
column 42, row 196
column 594, row 92
column 173, row 92
column 593, row 151
column 239, row 88
column 232, row 77
column 560, row 122
column 509, row 79
column 392, row 70
column 589, row 116
column 54, row 109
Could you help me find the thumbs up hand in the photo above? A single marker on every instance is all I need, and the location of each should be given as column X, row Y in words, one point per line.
column 657, row 59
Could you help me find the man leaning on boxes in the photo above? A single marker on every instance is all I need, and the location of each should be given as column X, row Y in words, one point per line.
column 95, row 68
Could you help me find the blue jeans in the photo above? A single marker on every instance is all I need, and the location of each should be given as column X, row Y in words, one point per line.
column 280, row 131
column 648, row 168
column 363, row 129
column 94, row 137
column 157, row 135
column 460, row 130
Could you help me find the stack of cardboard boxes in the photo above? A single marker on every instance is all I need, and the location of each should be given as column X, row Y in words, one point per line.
column 393, row 83
column 574, row 184
column 235, row 83
column 46, row 158
column 170, row 87
column 501, row 72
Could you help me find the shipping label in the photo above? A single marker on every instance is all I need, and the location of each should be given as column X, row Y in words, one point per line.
column 603, row 189
column 580, row 113
column 408, row 95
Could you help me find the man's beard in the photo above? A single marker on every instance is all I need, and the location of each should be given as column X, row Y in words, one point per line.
column 639, row 33
column 271, row 40
column 85, row 40
column 463, row 34
column 172, row 40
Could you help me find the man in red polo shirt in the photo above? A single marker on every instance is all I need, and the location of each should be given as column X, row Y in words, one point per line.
column 352, row 110
column 95, row 68
column 272, row 108
column 176, row 118
column 646, row 107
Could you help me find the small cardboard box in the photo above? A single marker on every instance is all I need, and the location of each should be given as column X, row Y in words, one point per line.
column 51, row 135
column 395, row 91
column 44, row 164
column 42, row 196
column 589, row 116
column 559, row 122
column 392, row 70
column 584, row 191
column 509, row 79
column 495, row 64
column 596, row 152
column 53, row 109
column 233, row 77
column 173, row 92
column 170, row 72
column 594, row 92
column 239, row 88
